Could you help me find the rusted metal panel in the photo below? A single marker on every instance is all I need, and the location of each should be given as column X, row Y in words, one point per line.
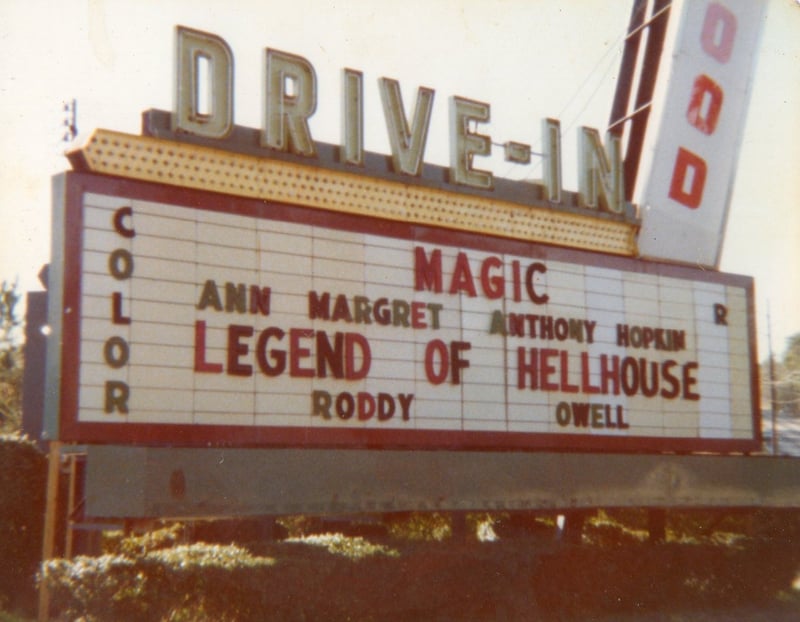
column 165, row 482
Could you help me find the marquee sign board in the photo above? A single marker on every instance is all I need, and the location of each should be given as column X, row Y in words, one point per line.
column 197, row 318
column 214, row 285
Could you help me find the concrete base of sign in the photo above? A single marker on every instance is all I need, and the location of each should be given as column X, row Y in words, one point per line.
column 141, row 482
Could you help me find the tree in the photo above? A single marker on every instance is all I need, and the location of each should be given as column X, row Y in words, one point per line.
column 788, row 382
column 11, row 359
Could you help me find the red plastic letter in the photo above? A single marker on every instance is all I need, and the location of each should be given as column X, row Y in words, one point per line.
column 692, row 196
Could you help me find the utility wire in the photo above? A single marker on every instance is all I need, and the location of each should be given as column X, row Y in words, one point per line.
column 613, row 48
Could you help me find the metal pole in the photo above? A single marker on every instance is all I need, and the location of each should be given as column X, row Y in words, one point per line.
column 647, row 83
column 619, row 109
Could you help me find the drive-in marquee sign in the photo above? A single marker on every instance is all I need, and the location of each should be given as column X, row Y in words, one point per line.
column 283, row 302
column 198, row 318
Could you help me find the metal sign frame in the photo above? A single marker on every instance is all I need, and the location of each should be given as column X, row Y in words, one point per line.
column 72, row 429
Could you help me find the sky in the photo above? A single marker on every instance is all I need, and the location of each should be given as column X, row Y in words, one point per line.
column 529, row 59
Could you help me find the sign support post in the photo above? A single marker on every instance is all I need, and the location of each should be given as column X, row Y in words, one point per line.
column 50, row 512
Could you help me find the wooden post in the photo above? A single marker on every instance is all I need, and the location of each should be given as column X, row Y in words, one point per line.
column 50, row 512
column 71, row 505
column 656, row 525
column 459, row 529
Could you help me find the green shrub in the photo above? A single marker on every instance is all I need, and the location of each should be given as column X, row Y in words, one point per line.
column 297, row 526
column 338, row 579
column 23, row 475
column 117, row 543
column 423, row 526
column 605, row 529
column 350, row 547
column 582, row 580
column 190, row 582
